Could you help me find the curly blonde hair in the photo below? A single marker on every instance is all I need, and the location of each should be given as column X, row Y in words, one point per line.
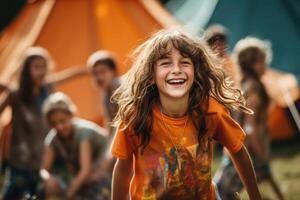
column 138, row 93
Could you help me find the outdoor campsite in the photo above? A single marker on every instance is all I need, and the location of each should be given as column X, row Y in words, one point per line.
column 149, row 99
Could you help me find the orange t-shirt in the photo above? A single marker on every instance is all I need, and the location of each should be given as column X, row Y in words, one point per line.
column 174, row 164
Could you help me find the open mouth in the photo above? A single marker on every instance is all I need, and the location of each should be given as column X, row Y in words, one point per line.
column 176, row 82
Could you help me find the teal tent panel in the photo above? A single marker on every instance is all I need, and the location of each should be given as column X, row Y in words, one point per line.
column 275, row 20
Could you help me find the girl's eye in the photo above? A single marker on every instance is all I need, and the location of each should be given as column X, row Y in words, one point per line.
column 164, row 64
column 186, row 63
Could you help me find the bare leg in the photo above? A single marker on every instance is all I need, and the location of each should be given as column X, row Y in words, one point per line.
column 276, row 188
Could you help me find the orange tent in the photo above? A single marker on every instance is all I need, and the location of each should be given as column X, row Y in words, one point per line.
column 71, row 31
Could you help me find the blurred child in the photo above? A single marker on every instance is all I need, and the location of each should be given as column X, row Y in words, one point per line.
column 252, row 55
column 75, row 144
column 28, row 126
column 217, row 38
column 172, row 103
column 103, row 68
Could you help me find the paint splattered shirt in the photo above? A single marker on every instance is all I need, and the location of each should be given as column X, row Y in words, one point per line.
column 180, row 171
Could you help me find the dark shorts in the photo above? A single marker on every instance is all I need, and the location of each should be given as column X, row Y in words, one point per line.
column 19, row 183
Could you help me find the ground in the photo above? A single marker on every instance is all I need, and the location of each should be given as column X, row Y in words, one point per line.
column 285, row 166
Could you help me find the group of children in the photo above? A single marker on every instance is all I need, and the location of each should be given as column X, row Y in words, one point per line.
column 50, row 145
column 176, row 99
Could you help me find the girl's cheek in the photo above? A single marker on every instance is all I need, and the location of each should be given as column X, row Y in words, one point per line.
column 161, row 74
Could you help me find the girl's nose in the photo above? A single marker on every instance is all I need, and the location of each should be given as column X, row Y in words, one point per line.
column 176, row 68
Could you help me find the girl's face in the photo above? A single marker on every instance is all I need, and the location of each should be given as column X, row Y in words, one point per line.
column 62, row 122
column 260, row 67
column 103, row 75
column 174, row 75
column 38, row 70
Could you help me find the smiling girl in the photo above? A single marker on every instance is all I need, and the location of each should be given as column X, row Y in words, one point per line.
column 173, row 102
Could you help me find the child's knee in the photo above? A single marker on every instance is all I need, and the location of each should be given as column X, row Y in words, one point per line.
column 52, row 187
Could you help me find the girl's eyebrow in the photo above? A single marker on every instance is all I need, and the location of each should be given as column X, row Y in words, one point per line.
column 165, row 56
column 186, row 57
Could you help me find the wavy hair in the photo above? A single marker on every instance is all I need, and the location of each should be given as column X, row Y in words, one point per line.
column 250, row 50
column 247, row 52
column 138, row 93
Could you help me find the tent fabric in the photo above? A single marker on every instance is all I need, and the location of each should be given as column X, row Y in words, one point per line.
column 20, row 35
column 72, row 30
column 275, row 20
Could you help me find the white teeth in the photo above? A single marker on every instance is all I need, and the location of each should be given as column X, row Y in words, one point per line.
column 179, row 81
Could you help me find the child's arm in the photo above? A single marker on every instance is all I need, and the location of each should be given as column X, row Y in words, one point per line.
column 48, row 157
column 85, row 169
column 50, row 183
column 66, row 74
column 107, row 164
column 244, row 167
column 121, row 179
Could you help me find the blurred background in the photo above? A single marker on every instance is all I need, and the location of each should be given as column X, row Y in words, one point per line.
column 72, row 30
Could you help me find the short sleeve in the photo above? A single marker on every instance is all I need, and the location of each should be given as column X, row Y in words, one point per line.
column 84, row 135
column 123, row 144
column 228, row 132
column 87, row 131
column 50, row 139
column 93, row 134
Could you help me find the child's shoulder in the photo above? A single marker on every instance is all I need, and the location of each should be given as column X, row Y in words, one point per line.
column 215, row 113
column 124, row 129
column 214, row 106
column 83, row 126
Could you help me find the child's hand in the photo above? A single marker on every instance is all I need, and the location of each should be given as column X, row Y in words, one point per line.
column 237, row 196
column 94, row 177
column 51, row 186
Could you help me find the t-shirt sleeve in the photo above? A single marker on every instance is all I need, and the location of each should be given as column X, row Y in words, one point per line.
column 123, row 144
column 95, row 136
column 84, row 135
column 228, row 132
column 50, row 138
column 88, row 131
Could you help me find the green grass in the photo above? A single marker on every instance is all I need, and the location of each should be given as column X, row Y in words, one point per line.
column 285, row 166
